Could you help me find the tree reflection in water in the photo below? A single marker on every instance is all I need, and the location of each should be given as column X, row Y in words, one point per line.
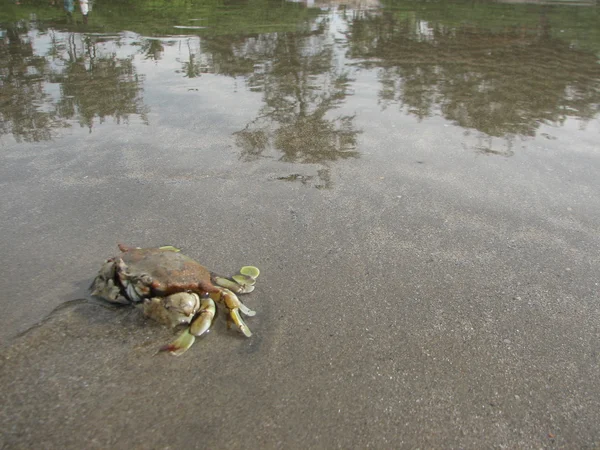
column 22, row 77
column 496, row 81
column 502, row 83
column 94, row 83
column 301, row 85
column 152, row 48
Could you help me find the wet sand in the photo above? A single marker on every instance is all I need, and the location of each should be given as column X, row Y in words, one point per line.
column 432, row 298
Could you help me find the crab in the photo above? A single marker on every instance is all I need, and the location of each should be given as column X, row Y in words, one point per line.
column 174, row 289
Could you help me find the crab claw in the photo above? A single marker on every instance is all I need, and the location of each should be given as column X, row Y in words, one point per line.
column 172, row 310
column 184, row 304
column 200, row 325
column 205, row 317
column 180, row 345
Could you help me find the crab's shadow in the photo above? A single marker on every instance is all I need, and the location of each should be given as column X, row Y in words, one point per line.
column 91, row 317
column 85, row 307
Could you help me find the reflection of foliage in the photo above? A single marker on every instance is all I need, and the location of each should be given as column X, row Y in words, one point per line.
column 313, row 139
column 196, row 64
column 237, row 55
column 323, row 175
column 98, row 86
column 91, row 85
column 498, row 83
column 300, row 87
column 191, row 68
column 152, row 48
column 22, row 90
column 309, row 139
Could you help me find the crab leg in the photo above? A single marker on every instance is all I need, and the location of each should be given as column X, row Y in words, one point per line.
column 205, row 317
column 239, row 322
column 232, row 285
column 233, row 303
column 242, row 283
column 235, row 306
column 227, row 283
column 200, row 325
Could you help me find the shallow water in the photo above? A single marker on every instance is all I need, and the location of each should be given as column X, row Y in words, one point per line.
column 417, row 181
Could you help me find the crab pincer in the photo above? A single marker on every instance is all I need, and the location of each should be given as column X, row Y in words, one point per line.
column 199, row 325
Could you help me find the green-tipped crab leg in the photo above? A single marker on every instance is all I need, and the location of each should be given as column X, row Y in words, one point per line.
column 235, row 306
column 242, row 283
column 170, row 248
column 237, row 319
column 247, row 277
column 233, row 303
column 232, row 285
column 250, row 271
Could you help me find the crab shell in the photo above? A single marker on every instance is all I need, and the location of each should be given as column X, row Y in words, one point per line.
column 172, row 288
